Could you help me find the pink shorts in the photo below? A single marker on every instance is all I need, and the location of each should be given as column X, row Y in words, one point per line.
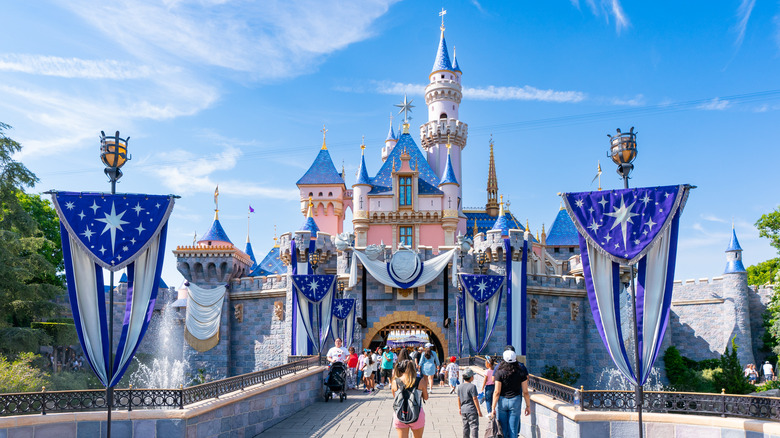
column 419, row 424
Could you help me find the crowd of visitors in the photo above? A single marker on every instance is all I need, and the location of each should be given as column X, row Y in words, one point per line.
column 410, row 374
column 768, row 373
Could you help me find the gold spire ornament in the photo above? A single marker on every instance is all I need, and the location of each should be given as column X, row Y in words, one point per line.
column 324, row 132
column 598, row 176
column 309, row 211
column 442, row 14
column 216, row 203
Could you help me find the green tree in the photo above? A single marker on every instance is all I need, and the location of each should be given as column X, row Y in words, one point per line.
column 764, row 272
column 29, row 258
column 20, row 375
column 564, row 375
column 769, row 226
column 731, row 376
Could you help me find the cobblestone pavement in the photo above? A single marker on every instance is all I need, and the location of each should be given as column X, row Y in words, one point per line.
column 370, row 415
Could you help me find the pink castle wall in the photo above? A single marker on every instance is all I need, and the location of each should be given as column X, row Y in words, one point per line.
column 432, row 235
column 379, row 233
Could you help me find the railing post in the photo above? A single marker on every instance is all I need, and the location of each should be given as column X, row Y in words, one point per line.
column 723, row 395
column 181, row 396
column 43, row 401
column 130, row 398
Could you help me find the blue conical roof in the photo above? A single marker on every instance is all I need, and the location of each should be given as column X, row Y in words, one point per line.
column 251, row 254
column 270, row 265
column 455, row 66
column 216, row 232
column 391, row 135
column 563, row 232
column 442, row 61
column 734, row 244
column 310, row 226
column 502, row 224
column 322, row 171
column 362, row 173
column 449, row 173
column 124, row 278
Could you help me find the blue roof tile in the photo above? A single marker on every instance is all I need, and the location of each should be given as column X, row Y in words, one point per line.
column 485, row 222
column 734, row 267
column 311, row 226
column 251, row 254
column 502, row 224
column 216, row 232
column 563, row 232
column 271, row 264
column 362, row 172
column 442, row 61
column 427, row 181
column 455, row 66
column 734, row 244
column 124, row 278
column 449, row 173
column 162, row 284
column 322, row 171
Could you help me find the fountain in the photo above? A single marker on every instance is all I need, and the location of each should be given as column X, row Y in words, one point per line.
column 166, row 369
column 612, row 379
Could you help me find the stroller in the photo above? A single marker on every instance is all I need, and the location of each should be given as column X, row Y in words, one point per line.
column 336, row 382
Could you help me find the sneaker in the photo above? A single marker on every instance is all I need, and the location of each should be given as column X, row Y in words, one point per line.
column 365, row 391
column 452, row 390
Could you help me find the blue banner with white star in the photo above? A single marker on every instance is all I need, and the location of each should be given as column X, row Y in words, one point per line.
column 481, row 304
column 114, row 232
column 315, row 302
column 343, row 323
column 629, row 227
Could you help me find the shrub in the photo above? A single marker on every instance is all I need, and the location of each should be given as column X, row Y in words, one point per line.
column 565, row 375
column 732, row 377
column 766, row 386
column 20, row 375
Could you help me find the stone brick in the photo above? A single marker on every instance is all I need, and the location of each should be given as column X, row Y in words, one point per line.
column 170, row 428
column 21, row 432
column 87, row 429
column 61, row 430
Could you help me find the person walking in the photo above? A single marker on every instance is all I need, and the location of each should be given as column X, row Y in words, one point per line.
column 367, row 371
column 769, row 373
column 352, row 361
column 489, row 384
column 453, row 372
column 387, row 365
column 409, row 381
column 338, row 353
column 377, row 358
column 443, row 375
column 429, row 364
column 511, row 382
column 468, row 405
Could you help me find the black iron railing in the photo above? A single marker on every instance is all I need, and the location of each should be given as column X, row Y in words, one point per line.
column 724, row 405
column 128, row 399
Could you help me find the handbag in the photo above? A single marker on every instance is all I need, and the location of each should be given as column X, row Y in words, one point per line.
column 494, row 429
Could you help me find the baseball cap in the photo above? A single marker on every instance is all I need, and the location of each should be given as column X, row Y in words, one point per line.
column 469, row 373
column 428, row 345
column 510, row 356
column 453, row 359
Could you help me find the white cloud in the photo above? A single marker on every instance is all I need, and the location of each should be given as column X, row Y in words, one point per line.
column 490, row 92
column 715, row 104
column 607, row 7
column 713, row 218
column 189, row 174
column 637, row 100
column 77, row 68
column 743, row 16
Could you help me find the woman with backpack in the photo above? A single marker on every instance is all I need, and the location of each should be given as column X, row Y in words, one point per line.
column 409, row 392
column 429, row 364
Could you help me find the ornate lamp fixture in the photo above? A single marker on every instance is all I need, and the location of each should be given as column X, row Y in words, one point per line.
column 481, row 260
column 113, row 153
column 340, row 289
column 623, row 152
column 315, row 259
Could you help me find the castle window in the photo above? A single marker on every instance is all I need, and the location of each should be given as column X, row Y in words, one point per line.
column 443, row 116
column 442, row 76
column 571, row 250
column 405, row 190
column 406, row 236
column 320, row 194
column 330, row 193
column 311, row 194
column 556, row 250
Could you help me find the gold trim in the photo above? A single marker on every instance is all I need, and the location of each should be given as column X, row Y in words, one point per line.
column 406, row 316
column 201, row 345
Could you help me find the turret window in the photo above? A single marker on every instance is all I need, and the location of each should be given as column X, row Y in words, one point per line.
column 405, row 190
column 443, row 116
column 320, row 194
column 406, row 236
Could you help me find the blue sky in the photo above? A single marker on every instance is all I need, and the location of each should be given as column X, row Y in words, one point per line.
column 235, row 93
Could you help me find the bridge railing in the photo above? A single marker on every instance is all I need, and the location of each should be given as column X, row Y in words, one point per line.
column 131, row 398
column 723, row 405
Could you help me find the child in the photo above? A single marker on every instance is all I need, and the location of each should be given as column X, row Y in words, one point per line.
column 468, row 405
column 443, row 375
column 453, row 372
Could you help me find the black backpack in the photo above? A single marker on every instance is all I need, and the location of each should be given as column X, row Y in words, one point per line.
column 407, row 403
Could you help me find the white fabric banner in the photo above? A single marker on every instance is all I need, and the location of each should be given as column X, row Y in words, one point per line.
column 301, row 338
column 431, row 269
column 204, row 311
column 518, row 312
column 655, row 282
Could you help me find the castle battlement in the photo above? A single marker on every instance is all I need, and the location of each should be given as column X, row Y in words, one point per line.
column 247, row 284
column 438, row 131
column 702, row 281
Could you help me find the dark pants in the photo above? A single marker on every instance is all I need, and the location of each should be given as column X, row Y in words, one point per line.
column 470, row 425
column 359, row 379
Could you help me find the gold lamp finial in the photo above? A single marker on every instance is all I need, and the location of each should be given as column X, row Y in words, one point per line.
column 216, row 203
column 309, row 212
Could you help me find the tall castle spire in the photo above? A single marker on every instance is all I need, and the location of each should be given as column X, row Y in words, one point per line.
column 492, row 185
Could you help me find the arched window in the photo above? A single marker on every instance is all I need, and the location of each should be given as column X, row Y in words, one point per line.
column 311, row 194
column 443, row 116
column 320, row 194
column 330, row 193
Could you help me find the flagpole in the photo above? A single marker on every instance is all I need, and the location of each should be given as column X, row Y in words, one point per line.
column 638, row 387
column 109, row 388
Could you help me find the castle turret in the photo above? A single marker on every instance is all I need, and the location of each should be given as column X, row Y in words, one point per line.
column 491, row 207
column 450, row 187
column 325, row 187
column 360, row 199
column 442, row 96
column 737, row 301
column 390, row 141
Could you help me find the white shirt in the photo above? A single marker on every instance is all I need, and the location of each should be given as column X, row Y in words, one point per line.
column 338, row 354
column 767, row 369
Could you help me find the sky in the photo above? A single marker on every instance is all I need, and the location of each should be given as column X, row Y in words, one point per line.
column 235, row 93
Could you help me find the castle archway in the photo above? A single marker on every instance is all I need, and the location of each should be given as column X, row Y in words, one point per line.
column 406, row 320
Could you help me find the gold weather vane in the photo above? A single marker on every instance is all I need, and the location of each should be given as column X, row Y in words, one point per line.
column 324, row 132
column 442, row 14
column 216, row 203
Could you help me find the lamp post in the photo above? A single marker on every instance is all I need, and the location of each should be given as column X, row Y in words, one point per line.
column 340, row 289
column 314, row 260
column 113, row 153
column 623, row 152
column 481, row 260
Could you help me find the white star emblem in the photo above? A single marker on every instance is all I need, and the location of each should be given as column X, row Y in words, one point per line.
column 138, row 208
column 339, row 308
column 636, row 242
column 113, row 222
column 667, row 194
column 482, row 286
column 94, row 207
column 645, row 233
column 617, row 245
column 69, row 205
column 124, row 248
column 140, row 228
column 578, row 203
column 132, row 240
column 650, row 224
column 102, row 250
column 646, row 199
column 88, row 234
column 81, row 215
column 313, row 285
column 608, row 237
column 603, row 202
column 595, row 227
column 591, row 210
column 622, row 217
column 157, row 205
column 119, row 258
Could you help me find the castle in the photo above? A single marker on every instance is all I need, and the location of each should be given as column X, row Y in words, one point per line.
column 414, row 201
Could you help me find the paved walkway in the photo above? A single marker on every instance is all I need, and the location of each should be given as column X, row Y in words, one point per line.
column 370, row 415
